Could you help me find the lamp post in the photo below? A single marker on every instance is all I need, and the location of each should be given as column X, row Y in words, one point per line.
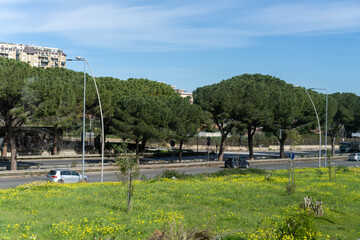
column 317, row 116
column 83, row 131
column 326, row 122
column 78, row 58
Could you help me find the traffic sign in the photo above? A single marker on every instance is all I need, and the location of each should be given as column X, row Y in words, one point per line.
column 292, row 156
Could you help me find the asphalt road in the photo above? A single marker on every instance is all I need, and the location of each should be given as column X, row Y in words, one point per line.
column 55, row 163
column 8, row 182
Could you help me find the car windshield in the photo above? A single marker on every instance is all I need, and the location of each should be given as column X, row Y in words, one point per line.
column 344, row 144
column 52, row 172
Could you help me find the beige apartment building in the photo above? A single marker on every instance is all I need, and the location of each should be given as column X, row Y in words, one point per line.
column 36, row 56
column 185, row 94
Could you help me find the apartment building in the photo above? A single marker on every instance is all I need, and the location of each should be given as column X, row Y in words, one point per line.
column 185, row 94
column 36, row 56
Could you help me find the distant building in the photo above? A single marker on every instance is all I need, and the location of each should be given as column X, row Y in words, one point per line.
column 36, row 56
column 185, row 94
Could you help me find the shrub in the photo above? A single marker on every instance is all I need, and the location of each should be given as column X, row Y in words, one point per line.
column 298, row 225
column 314, row 207
column 234, row 171
column 179, row 233
column 256, row 171
column 268, row 177
column 342, row 168
column 172, row 173
column 73, row 164
column 291, row 187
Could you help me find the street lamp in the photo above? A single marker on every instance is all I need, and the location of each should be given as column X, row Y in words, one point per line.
column 78, row 58
column 326, row 122
column 83, row 132
column 317, row 116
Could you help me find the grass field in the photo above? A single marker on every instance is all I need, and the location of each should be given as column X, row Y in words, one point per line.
column 241, row 206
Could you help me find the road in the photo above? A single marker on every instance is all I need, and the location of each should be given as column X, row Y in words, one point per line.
column 8, row 182
column 61, row 163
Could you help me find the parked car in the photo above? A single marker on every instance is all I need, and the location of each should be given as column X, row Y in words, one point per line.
column 65, row 176
column 354, row 157
column 236, row 163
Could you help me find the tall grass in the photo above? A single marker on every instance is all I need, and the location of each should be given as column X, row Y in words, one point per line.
column 239, row 206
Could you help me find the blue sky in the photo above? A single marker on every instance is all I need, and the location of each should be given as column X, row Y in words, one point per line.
column 189, row 44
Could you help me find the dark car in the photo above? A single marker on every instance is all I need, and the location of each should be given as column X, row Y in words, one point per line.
column 236, row 163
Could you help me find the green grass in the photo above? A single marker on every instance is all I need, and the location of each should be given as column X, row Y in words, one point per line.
column 239, row 206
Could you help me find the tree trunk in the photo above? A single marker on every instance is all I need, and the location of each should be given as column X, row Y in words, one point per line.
column 333, row 138
column 224, row 133
column 180, row 150
column 222, row 148
column 130, row 193
column 137, row 147
column 142, row 146
column 11, row 137
column 55, row 142
column 282, row 144
column 251, row 133
column 5, row 146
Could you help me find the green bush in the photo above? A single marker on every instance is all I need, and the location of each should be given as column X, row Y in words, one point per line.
column 178, row 232
column 299, row 225
column 172, row 173
column 234, row 171
column 343, row 168
column 295, row 225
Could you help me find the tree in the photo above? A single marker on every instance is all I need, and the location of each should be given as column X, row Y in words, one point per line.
column 346, row 115
column 249, row 95
column 185, row 121
column 142, row 111
column 141, row 118
column 286, row 104
column 253, row 102
column 127, row 171
column 148, row 87
column 110, row 90
column 58, row 98
column 128, row 168
column 14, row 77
column 216, row 100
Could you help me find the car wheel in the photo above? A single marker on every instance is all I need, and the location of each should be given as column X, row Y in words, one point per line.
column 85, row 179
column 61, row 181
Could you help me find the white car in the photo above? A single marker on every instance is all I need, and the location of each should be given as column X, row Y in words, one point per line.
column 65, row 176
column 354, row 157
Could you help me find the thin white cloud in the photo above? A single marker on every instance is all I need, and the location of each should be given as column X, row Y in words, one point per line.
column 172, row 26
column 303, row 18
column 141, row 28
